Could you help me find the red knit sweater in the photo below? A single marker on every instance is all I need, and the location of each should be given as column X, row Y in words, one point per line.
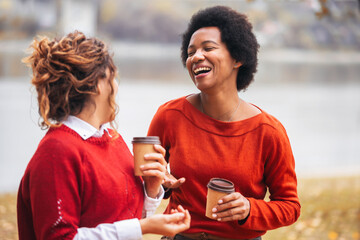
column 254, row 153
column 71, row 183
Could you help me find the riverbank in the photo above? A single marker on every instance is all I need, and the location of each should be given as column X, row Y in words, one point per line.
column 330, row 210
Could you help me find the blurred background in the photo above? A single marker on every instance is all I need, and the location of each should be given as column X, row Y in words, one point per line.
column 308, row 77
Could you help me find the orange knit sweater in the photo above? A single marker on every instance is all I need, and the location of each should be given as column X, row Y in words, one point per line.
column 254, row 154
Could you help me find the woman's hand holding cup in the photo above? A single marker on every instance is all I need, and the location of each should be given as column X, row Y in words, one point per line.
column 154, row 171
column 232, row 207
column 223, row 203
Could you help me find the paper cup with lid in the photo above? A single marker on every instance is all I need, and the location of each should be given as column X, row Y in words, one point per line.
column 217, row 188
column 142, row 146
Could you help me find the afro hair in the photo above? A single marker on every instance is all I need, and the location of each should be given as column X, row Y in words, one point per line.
column 236, row 33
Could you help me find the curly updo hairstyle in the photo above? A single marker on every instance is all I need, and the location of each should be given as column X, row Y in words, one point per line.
column 236, row 33
column 66, row 74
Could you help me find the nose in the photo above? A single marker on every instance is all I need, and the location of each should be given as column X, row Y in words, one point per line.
column 198, row 56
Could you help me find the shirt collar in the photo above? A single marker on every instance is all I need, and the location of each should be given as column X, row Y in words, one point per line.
column 84, row 129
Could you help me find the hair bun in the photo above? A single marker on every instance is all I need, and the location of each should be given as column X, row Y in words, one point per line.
column 66, row 73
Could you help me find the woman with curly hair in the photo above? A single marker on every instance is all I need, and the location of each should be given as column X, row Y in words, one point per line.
column 80, row 183
column 217, row 134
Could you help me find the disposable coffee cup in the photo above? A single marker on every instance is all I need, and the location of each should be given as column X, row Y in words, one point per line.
column 217, row 188
column 142, row 146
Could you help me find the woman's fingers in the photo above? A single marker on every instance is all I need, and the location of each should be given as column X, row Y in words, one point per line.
column 232, row 207
column 180, row 208
column 167, row 224
column 155, row 157
column 232, row 214
column 175, row 217
column 153, row 173
column 187, row 218
column 230, row 197
column 153, row 166
column 160, row 149
column 171, row 182
column 180, row 216
column 154, row 169
column 230, row 201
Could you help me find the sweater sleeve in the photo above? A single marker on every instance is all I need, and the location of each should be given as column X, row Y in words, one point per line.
column 54, row 179
column 279, row 173
column 127, row 229
column 157, row 125
column 156, row 128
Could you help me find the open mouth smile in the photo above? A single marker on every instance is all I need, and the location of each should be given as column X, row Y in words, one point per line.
column 201, row 70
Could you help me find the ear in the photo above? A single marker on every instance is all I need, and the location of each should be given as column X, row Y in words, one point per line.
column 101, row 85
column 237, row 64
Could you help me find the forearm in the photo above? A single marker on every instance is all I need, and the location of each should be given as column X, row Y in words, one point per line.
column 121, row 230
column 126, row 229
column 270, row 215
column 151, row 204
column 152, row 192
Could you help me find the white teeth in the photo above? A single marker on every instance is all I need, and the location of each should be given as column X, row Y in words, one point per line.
column 201, row 69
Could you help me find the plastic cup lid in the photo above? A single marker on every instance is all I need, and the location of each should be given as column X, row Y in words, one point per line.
column 147, row 140
column 221, row 185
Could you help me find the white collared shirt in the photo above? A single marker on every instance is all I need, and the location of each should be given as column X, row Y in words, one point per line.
column 126, row 229
column 85, row 129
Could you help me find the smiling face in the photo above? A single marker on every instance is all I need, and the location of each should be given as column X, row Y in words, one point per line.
column 209, row 62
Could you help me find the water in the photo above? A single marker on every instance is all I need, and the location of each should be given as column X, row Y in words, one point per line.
column 319, row 105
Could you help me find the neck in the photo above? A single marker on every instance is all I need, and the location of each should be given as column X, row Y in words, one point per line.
column 221, row 107
column 91, row 115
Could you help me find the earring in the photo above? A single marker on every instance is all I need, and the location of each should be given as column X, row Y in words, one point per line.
column 238, row 64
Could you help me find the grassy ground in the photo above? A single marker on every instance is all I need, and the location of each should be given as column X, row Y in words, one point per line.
column 330, row 210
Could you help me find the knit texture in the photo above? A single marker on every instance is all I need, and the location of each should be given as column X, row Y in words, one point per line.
column 254, row 154
column 71, row 183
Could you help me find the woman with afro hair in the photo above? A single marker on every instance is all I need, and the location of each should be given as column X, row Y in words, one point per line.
column 217, row 134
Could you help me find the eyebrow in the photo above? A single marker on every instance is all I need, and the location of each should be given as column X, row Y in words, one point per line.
column 205, row 42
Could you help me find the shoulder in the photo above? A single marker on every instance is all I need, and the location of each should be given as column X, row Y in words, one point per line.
column 274, row 123
column 58, row 145
column 165, row 115
column 60, row 137
column 173, row 104
column 167, row 109
column 266, row 118
column 270, row 125
column 273, row 131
